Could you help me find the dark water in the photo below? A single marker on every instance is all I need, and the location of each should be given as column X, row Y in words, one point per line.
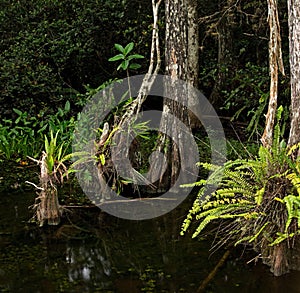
column 105, row 254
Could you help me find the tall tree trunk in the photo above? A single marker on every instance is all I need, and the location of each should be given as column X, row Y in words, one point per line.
column 176, row 60
column 193, row 43
column 294, row 42
column 193, row 59
column 177, row 66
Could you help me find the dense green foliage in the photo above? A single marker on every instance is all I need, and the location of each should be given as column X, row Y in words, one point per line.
column 236, row 78
column 51, row 49
column 257, row 199
column 25, row 135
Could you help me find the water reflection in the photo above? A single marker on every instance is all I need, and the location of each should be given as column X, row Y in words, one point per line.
column 118, row 256
column 87, row 264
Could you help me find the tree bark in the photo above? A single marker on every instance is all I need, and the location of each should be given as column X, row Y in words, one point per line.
column 177, row 66
column 193, row 59
column 193, row 43
column 294, row 43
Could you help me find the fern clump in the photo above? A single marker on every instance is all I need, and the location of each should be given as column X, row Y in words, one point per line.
column 257, row 201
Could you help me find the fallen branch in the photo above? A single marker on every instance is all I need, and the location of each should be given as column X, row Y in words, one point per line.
column 212, row 274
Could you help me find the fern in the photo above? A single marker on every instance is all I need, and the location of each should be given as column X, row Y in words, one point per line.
column 213, row 214
column 282, row 237
column 246, row 196
column 292, row 203
column 251, row 238
column 295, row 180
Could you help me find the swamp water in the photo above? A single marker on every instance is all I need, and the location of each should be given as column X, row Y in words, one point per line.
column 93, row 252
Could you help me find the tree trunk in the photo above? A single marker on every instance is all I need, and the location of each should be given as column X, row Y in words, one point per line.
column 48, row 210
column 193, row 59
column 193, row 44
column 177, row 66
column 276, row 257
column 294, row 43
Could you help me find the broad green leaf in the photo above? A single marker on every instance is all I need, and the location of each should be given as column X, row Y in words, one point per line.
column 51, row 126
column 116, row 58
column 17, row 111
column 120, row 48
column 50, row 163
column 135, row 56
column 123, row 65
column 60, row 112
column 55, row 139
column 128, row 48
column 3, row 139
column 134, row 66
column 59, row 153
column 8, row 121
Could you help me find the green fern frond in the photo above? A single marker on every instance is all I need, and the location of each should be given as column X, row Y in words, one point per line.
column 236, row 179
column 282, row 237
column 197, row 183
column 221, row 212
column 259, row 195
column 251, row 238
column 293, row 165
column 246, row 194
column 293, row 148
column 295, row 180
column 265, row 156
column 233, row 191
column 292, row 203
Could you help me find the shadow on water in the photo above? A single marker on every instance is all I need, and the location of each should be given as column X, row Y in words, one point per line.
column 100, row 253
